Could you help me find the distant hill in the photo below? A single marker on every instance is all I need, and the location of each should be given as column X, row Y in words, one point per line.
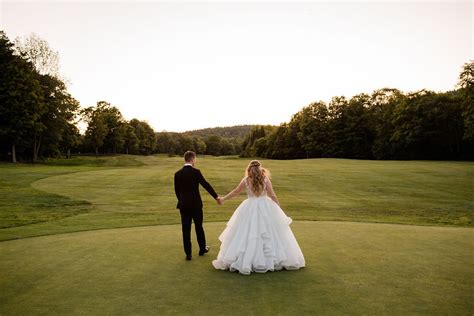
column 238, row 131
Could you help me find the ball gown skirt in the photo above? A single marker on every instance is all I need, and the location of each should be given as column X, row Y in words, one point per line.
column 258, row 238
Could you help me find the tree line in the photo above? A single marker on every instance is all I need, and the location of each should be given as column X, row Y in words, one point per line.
column 387, row 124
column 39, row 118
column 36, row 111
column 109, row 133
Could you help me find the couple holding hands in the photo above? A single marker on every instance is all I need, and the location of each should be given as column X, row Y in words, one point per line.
column 257, row 237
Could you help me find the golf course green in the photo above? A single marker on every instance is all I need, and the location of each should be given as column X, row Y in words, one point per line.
column 101, row 237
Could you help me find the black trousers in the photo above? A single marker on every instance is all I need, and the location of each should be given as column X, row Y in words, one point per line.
column 187, row 216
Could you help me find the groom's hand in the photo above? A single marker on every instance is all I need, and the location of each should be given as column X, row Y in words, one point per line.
column 219, row 200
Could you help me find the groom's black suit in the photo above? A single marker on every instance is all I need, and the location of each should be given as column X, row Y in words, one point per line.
column 186, row 186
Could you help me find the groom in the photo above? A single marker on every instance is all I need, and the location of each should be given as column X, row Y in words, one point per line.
column 186, row 186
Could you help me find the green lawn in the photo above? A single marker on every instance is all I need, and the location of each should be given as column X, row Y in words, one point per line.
column 352, row 268
column 88, row 193
column 358, row 261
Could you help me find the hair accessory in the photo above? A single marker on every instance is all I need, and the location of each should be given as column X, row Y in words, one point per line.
column 255, row 164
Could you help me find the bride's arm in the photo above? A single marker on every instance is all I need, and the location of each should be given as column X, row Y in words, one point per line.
column 235, row 191
column 270, row 191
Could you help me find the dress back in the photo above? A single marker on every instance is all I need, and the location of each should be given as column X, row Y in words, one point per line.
column 251, row 193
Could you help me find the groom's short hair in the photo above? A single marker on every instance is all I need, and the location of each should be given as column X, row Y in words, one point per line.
column 189, row 155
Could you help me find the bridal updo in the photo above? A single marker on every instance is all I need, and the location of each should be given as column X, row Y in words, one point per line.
column 256, row 173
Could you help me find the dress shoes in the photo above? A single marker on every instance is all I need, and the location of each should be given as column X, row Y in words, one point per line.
column 203, row 251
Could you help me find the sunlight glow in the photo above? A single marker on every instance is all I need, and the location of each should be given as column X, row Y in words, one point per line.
column 190, row 65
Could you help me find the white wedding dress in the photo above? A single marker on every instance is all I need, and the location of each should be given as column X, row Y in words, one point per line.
column 258, row 238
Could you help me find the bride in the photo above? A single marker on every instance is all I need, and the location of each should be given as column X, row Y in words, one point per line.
column 258, row 237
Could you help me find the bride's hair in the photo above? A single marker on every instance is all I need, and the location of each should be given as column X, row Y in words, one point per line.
column 257, row 175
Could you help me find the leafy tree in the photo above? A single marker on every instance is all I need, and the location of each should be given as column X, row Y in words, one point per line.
column 116, row 129
column 131, row 141
column 21, row 98
column 231, row 132
column 359, row 131
column 96, row 126
column 337, row 126
column 185, row 143
column 313, row 129
column 165, row 143
column 382, row 106
column 466, row 86
column 283, row 143
column 213, row 145
column 146, row 137
column 428, row 126
column 60, row 114
column 249, row 143
column 227, row 148
column 45, row 105
column 199, row 145
column 37, row 51
column 70, row 138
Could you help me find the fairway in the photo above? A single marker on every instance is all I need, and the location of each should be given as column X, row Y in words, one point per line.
column 123, row 191
column 379, row 237
column 352, row 268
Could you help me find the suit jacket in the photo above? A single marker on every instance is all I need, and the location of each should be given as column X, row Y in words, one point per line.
column 186, row 187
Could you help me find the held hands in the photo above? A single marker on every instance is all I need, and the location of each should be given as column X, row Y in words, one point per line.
column 220, row 200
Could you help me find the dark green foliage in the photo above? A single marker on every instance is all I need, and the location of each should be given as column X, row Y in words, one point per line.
column 36, row 112
column 211, row 141
column 21, row 100
column 38, row 120
column 97, row 127
column 254, row 143
column 108, row 131
column 146, row 137
column 385, row 125
column 131, row 141
column 177, row 143
column 466, row 91
column 213, row 144
column 238, row 131
column 60, row 133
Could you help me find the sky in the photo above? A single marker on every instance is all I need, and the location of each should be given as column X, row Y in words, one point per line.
column 188, row 65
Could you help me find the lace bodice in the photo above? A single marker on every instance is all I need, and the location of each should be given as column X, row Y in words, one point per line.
column 251, row 193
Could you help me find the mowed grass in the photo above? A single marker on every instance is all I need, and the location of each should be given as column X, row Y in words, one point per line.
column 88, row 193
column 352, row 268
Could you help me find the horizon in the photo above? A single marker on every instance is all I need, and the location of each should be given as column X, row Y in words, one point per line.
column 229, row 64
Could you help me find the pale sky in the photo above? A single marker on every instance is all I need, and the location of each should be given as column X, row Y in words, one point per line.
column 189, row 65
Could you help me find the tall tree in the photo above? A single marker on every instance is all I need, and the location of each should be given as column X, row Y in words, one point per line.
column 283, row 143
column 38, row 52
column 199, row 145
column 359, row 133
column 96, row 126
column 131, row 140
column 313, row 129
column 227, row 148
column 146, row 136
column 337, row 126
column 213, row 145
column 61, row 111
column 21, row 98
column 70, row 138
column 383, row 103
column 116, row 130
column 428, row 126
column 466, row 86
column 258, row 132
